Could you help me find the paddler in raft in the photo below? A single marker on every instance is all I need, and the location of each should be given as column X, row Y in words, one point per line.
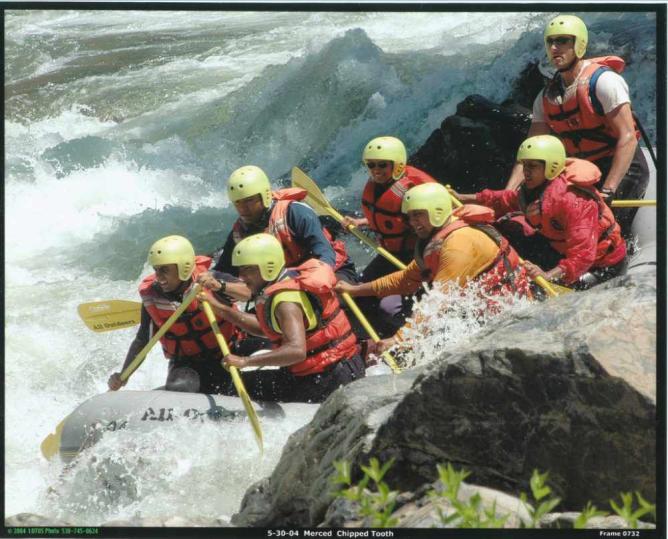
column 389, row 178
column 453, row 248
column 189, row 345
column 297, row 309
column 587, row 105
column 557, row 220
column 281, row 214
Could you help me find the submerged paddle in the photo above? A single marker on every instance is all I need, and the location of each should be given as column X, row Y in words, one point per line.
column 317, row 200
column 369, row 329
column 108, row 315
column 633, row 203
column 236, row 378
column 551, row 289
column 51, row 443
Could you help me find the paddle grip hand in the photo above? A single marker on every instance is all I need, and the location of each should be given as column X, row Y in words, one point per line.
column 115, row 382
column 349, row 222
column 608, row 196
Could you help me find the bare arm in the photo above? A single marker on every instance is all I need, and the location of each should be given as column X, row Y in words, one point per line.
column 621, row 121
column 516, row 177
column 290, row 319
column 246, row 321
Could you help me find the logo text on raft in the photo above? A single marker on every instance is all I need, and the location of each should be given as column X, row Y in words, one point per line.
column 166, row 414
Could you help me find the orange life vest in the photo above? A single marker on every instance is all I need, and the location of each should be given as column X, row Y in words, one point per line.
column 384, row 213
column 191, row 334
column 278, row 227
column 332, row 340
column 580, row 122
column 503, row 275
column 579, row 176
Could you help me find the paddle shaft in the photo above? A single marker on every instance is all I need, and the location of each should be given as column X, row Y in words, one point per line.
column 139, row 358
column 369, row 329
column 632, row 203
column 234, row 373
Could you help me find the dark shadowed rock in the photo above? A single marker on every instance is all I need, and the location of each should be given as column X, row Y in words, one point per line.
column 546, row 387
column 476, row 147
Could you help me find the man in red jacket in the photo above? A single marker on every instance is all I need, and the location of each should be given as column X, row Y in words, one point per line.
column 558, row 203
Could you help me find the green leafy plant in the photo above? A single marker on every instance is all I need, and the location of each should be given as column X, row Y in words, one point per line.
column 627, row 512
column 466, row 514
column 590, row 511
column 375, row 506
column 539, row 491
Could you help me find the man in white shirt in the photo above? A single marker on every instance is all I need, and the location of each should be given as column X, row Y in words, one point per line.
column 587, row 105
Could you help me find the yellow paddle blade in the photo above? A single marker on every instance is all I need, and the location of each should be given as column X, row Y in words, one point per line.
column 236, row 378
column 51, row 444
column 632, row 203
column 109, row 315
column 317, row 200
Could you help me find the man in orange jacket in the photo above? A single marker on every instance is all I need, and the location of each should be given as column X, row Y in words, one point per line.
column 453, row 248
column 587, row 105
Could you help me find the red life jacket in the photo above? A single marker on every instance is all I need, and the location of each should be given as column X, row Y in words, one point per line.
column 579, row 176
column 278, row 227
column 580, row 122
column 332, row 340
column 191, row 334
column 503, row 275
column 384, row 213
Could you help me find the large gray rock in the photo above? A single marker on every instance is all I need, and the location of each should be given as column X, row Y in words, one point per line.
column 566, row 386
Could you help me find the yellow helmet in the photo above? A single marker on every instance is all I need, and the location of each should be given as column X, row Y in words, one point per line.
column 568, row 25
column 247, row 181
column 262, row 250
column 173, row 250
column 387, row 149
column 544, row 148
column 432, row 197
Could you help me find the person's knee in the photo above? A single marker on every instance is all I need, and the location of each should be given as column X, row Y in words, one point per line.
column 183, row 379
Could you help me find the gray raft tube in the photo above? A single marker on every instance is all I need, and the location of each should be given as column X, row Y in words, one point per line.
column 143, row 410
column 644, row 227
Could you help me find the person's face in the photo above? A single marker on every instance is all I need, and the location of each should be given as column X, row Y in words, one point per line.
column 534, row 173
column 419, row 222
column 250, row 209
column 561, row 50
column 252, row 277
column 167, row 277
column 379, row 171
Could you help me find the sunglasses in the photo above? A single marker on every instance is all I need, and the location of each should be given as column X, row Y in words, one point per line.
column 379, row 164
column 561, row 41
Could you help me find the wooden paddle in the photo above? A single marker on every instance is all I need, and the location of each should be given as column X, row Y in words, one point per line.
column 236, row 378
column 317, row 200
column 51, row 443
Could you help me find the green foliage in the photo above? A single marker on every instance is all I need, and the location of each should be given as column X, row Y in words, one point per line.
column 539, row 491
column 375, row 506
column 469, row 514
column 589, row 512
column 626, row 510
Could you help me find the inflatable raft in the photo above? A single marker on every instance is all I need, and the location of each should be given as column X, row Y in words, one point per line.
column 644, row 227
column 141, row 410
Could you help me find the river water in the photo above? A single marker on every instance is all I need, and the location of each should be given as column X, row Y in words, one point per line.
column 122, row 126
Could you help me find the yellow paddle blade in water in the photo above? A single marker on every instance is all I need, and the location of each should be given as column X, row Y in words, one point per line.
column 51, row 444
column 109, row 315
